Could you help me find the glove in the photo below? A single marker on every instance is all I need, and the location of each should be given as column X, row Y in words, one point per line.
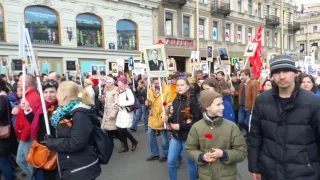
column 46, row 137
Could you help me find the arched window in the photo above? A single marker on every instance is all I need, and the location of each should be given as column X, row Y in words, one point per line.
column 42, row 23
column 127, row 35
column 1, row 24
column 89, row 31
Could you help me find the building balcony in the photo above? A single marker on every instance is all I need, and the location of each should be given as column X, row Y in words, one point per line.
column 272, row 21
column 293, row 27
column 220, row 7
column 176, row 2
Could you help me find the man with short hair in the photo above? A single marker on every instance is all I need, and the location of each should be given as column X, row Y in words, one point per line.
column 199, row 75
column 248, row 91
column 284, row 137
column 23, row 125
column 221, row 79
column 55, row 76
column 155, row 64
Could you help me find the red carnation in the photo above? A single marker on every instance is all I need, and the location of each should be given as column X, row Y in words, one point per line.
column 169, row 126
column 208, row 136
column 164, row 104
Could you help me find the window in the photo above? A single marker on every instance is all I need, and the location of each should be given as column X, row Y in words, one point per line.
column 89, row 31
column 249, row 34
column 201, row 1
column 215, row 30
column 268, row 10
column 276, row 12
column 201, row 28
column 169, row 24
column 250, row 7
column 227, row 33
column 315, row 29
column 290, row 18
column 239, row 34
column 275, row 40
column 267, row 38
column 259, row 10
column 239, row 5
column 127, row 35
column 42, row 24
column 302, row 30
column 289, row 42
column 186, row 26
column 1, row 25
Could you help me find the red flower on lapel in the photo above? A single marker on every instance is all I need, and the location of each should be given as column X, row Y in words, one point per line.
column 209, row 136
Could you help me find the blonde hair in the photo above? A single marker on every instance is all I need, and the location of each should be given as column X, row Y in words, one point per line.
column 73, row 92
column 88, row 82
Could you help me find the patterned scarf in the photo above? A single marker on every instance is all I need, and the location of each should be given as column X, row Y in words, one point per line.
column 123, row 89
column 61, row 112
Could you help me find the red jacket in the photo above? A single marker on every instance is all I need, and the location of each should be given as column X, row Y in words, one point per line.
column 23, row 126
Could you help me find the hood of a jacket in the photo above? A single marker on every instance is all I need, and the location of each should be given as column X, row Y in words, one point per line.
column 88, row 110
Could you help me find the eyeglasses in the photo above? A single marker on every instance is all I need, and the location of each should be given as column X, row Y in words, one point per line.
column 50, row 83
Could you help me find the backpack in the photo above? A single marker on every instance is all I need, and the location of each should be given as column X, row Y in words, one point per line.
column 135, row 106
column 102, row 144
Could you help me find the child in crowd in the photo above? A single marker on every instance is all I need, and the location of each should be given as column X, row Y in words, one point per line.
column 215, row 143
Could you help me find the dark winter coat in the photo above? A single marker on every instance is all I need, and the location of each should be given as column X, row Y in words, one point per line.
column 76, row 158
column 283, row 143
column 179, row 105
column 8, row 145
column 141, row 94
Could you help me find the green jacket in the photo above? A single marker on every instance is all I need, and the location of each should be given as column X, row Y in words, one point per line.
column 227, row 137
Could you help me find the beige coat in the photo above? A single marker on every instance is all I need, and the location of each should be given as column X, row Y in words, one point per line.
column 110, row 113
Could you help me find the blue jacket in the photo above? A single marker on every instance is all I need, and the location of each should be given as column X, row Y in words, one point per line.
column 228, row 112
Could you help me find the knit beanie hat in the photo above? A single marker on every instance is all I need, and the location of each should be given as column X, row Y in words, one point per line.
column 207, row 97
column 123, row 79
column 282, row 62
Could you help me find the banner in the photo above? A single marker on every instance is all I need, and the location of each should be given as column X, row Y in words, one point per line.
column 227, row 35
column 239, row 36
column 201, row 31
column 256, row 60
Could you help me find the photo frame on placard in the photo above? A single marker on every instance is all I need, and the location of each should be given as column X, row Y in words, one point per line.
column 131, row 63
column 251, row 49
column 120, row 66
column 204, row 68
column 195, row 58
column 226, row 68
column 155, row 59
column 114, row 68
column 102, row 70
column 139, row 68
column 4, row 61
column 171, row 64
column 210, row 53
column 94, row 69
column 224, row 55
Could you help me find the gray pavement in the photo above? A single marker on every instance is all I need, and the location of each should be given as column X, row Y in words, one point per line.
column 133, row 165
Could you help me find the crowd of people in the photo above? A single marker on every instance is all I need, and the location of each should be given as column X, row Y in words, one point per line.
column 210, row 121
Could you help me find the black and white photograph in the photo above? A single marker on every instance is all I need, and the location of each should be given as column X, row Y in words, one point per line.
column 194, row 58
column 102, row 69
column 251, row 49
column 204, row 68
column 156, row 62
column 308, row 61
column 114, row 68
column 4, row 61
column 139, row 68
column 210, row 53
column 120, row 63
column 224, row 56
column 131, row 63
column 94, row 69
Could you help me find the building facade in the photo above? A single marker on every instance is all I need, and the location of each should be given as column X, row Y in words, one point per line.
column 67, row 32
column 230, row 24
column 308, row 38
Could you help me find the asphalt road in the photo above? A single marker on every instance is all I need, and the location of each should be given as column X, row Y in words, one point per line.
column 133, row 165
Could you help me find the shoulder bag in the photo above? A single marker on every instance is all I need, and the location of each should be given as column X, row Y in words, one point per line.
column 6, row 130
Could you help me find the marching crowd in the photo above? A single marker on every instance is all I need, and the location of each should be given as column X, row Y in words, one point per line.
column 211, row 121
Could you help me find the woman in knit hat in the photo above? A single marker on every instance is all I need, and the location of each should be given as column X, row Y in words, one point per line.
column 124, row 117
column 215, row 143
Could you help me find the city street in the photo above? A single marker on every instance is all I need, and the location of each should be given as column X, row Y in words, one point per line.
column 133, row 166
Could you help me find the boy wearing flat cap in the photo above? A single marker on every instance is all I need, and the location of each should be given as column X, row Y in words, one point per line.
column 216, row 144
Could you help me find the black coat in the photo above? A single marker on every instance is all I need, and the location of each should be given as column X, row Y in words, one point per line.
column 283, row 143
column 10, row 144
column 77, row 159
column 180, row 104
column 141, row 95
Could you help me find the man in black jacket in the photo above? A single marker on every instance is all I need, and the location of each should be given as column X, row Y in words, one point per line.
column 283, row 141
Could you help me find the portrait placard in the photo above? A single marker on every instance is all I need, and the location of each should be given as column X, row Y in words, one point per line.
column 171, row 64
column 194, row 58
column 210, row 53
column 156, row 63
column 139, row 68
column 4, row 61
column 204, row 68
column 120, row 64
column 251, row 49
column 224, row 56
column 114, row 69
column 131, row 63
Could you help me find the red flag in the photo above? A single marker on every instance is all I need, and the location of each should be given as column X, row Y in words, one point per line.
column 256, row 60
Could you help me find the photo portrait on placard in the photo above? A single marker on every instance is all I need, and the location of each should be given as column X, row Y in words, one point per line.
column 94, row 69
column 210, row 53
column 156, row 61
column 4, row 61
column 224, row 56
column 120, row 63
column 204, row 68
column 114, row 68
column 139, row 68
column 131, row 63
column 102, row 69
column 194, row 58
column 171, row 64
column 251, row 49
